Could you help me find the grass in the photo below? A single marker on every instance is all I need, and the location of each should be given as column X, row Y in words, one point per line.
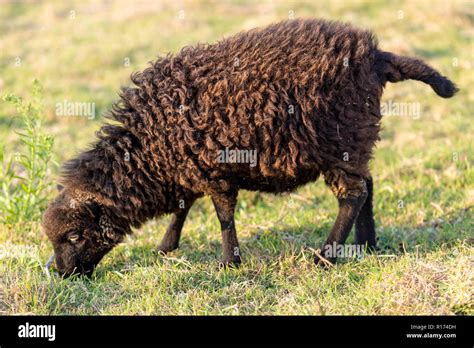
column 422, row 168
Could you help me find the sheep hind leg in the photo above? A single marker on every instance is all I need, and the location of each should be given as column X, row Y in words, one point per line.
column 351, row 193
column 365, row 225
column 171, row 238
column 225, row 207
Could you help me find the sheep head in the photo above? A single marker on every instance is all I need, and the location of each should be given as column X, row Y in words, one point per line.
column 81, row 230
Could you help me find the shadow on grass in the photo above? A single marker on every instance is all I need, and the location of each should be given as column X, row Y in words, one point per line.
column 268, row 245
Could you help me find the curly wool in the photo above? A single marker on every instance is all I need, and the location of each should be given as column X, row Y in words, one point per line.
column 304, row 94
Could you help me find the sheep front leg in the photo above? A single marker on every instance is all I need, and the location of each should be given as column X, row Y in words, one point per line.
column 351, row 193
column 170, row 240
column 225, row 207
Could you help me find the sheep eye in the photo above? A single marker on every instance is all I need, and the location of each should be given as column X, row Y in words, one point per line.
column 74, row 238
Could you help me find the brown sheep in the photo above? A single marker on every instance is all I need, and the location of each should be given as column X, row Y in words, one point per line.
column 302, row 97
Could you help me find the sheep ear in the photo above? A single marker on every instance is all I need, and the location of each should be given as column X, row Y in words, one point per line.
column 59, row 187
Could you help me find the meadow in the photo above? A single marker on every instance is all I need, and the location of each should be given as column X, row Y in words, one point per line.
column 83, row 51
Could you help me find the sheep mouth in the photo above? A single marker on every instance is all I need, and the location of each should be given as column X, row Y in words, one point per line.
column 85, row 271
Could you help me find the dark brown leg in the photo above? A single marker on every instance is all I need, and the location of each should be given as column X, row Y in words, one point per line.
column 351, row 193
column 225, row 206
column 170, row 240
column 365, row 225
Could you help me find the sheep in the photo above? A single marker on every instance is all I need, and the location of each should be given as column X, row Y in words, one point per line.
column 303, row 95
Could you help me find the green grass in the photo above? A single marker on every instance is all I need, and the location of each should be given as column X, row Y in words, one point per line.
column 422, row 168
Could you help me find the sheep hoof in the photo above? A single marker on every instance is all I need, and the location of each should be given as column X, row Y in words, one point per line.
column 164, row 249
column 226, row 264
column 324, row 263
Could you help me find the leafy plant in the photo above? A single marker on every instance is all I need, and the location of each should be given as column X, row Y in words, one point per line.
column 23, row 174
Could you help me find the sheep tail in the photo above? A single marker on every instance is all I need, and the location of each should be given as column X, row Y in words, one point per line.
column 393, row 68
